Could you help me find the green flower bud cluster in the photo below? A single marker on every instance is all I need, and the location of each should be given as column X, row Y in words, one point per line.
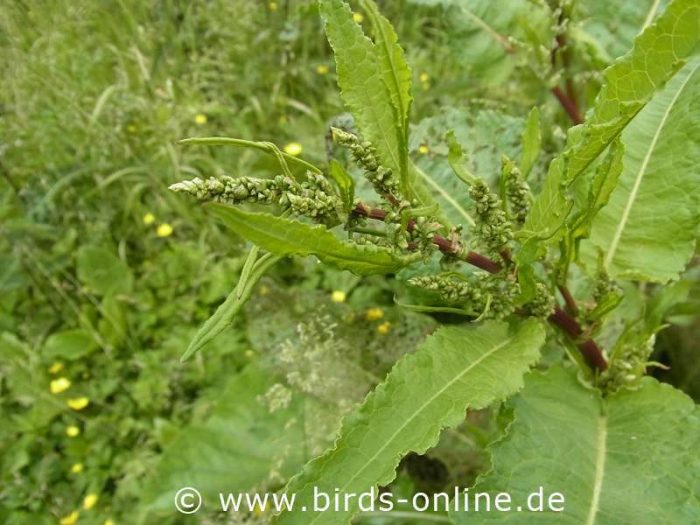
column 230, row 190
column 490, row 295
column 312, row 198
column 627, row 365
column 381, row 178
column 543, row 303
column 493, row 229
column 518, row 194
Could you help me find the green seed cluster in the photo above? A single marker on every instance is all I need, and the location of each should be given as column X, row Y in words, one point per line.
column 381, row 178
column 493, row 229
column 312, row 198
column 491, row 295
column 518, row 194
column 627, row 366
column 543, row 303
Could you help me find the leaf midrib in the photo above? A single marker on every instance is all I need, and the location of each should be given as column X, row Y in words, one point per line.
column 640, row 175
column 419, row 411
column 601, row 451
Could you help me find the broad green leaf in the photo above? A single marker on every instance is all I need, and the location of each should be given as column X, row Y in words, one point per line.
column 647, row 231
column 457, row 368
column 361, row 78
column 233, row 450
column 102, row 271
column 532, row 140
column 291, row 237
column 69, row 344
column 629, row 458
column 658, row 53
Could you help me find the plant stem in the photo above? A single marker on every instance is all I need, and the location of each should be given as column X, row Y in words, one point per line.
column 590, row 350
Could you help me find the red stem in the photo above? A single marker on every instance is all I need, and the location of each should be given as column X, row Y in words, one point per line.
column 590, row 350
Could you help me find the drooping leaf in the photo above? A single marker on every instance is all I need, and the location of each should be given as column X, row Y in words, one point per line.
column 658, row 53
column 102, row 271
column 234, row 449
column 456, row 368
column 228, row 310
column 290, row 237
column 629, row 458
column 648, row 229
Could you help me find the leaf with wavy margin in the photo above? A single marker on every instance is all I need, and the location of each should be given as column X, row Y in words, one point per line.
column 458, row 367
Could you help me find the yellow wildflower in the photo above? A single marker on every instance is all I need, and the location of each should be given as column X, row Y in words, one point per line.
column 72, row 431
column 272, row 6
column 293, row 148
column 90, row 501
column 59, row 385
column 384, row 328
column 338, row 296
column 109, row 522
column 322, row 69
column 357, row 17
column 78, row 403
column 131, row 128
column 164, row 230
column 424, row 77
column 423, row 149
column 55, row 368
column 77, row 468
column 71, row 519
column 200, row 119
column 374, row 314
column 149, row 218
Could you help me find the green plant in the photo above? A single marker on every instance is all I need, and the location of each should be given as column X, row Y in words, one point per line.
column 619, row 203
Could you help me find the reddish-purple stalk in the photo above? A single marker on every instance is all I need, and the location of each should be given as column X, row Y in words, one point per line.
column 590, row 350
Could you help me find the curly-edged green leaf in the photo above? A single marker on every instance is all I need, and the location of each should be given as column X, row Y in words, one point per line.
column 457, row 368
column 361, row 77
column 290, row 237
column 395, row 70
column 629, row 84
column 629, row 458
column 647, row 231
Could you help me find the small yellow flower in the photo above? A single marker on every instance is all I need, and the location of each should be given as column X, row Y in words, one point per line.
column 357, row 17
column 59, row 385
column 149, row 218
column 272, row 6
column 164, row 230
column 72, row 431
column 293, row 148
column 77, row 468
column 132, row 129
column 424, row 77
column 78, row 403
column 322, row 69
column 423, row 149
column 373, row 314
column 250, row 354
column 200, row 119
column 338, row 296
column 71, row 519
column 90, row 501
column 55, row 368
column 109, row 522
column 384, row 328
